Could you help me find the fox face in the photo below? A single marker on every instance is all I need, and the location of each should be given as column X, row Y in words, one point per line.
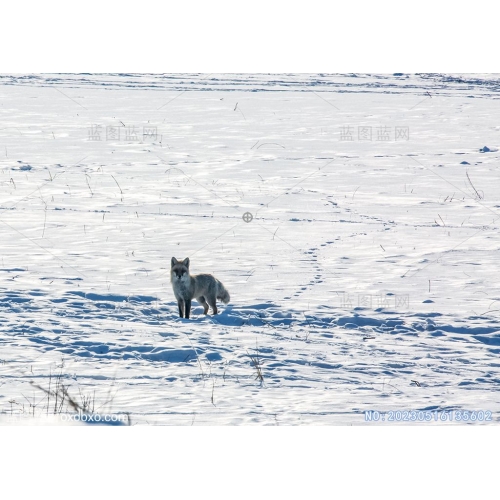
column 179, row 270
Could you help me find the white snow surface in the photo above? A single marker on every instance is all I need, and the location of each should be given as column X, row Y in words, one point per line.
column 368, row 278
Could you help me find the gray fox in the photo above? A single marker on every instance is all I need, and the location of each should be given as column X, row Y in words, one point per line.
column 203, row 287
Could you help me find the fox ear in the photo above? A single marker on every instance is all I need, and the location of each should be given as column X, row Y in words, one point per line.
column 186, row 261
column 174, row 261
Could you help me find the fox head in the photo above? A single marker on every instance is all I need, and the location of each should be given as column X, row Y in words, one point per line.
column 179, row 270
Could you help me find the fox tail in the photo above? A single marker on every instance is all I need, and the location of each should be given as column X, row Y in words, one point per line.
column 222, row 293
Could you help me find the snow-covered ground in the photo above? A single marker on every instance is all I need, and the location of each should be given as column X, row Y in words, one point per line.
column 364, row 276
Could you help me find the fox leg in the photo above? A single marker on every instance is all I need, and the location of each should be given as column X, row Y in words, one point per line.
column 203, row 302
column 180, row 303
column 187, row 311
column 213, row 304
